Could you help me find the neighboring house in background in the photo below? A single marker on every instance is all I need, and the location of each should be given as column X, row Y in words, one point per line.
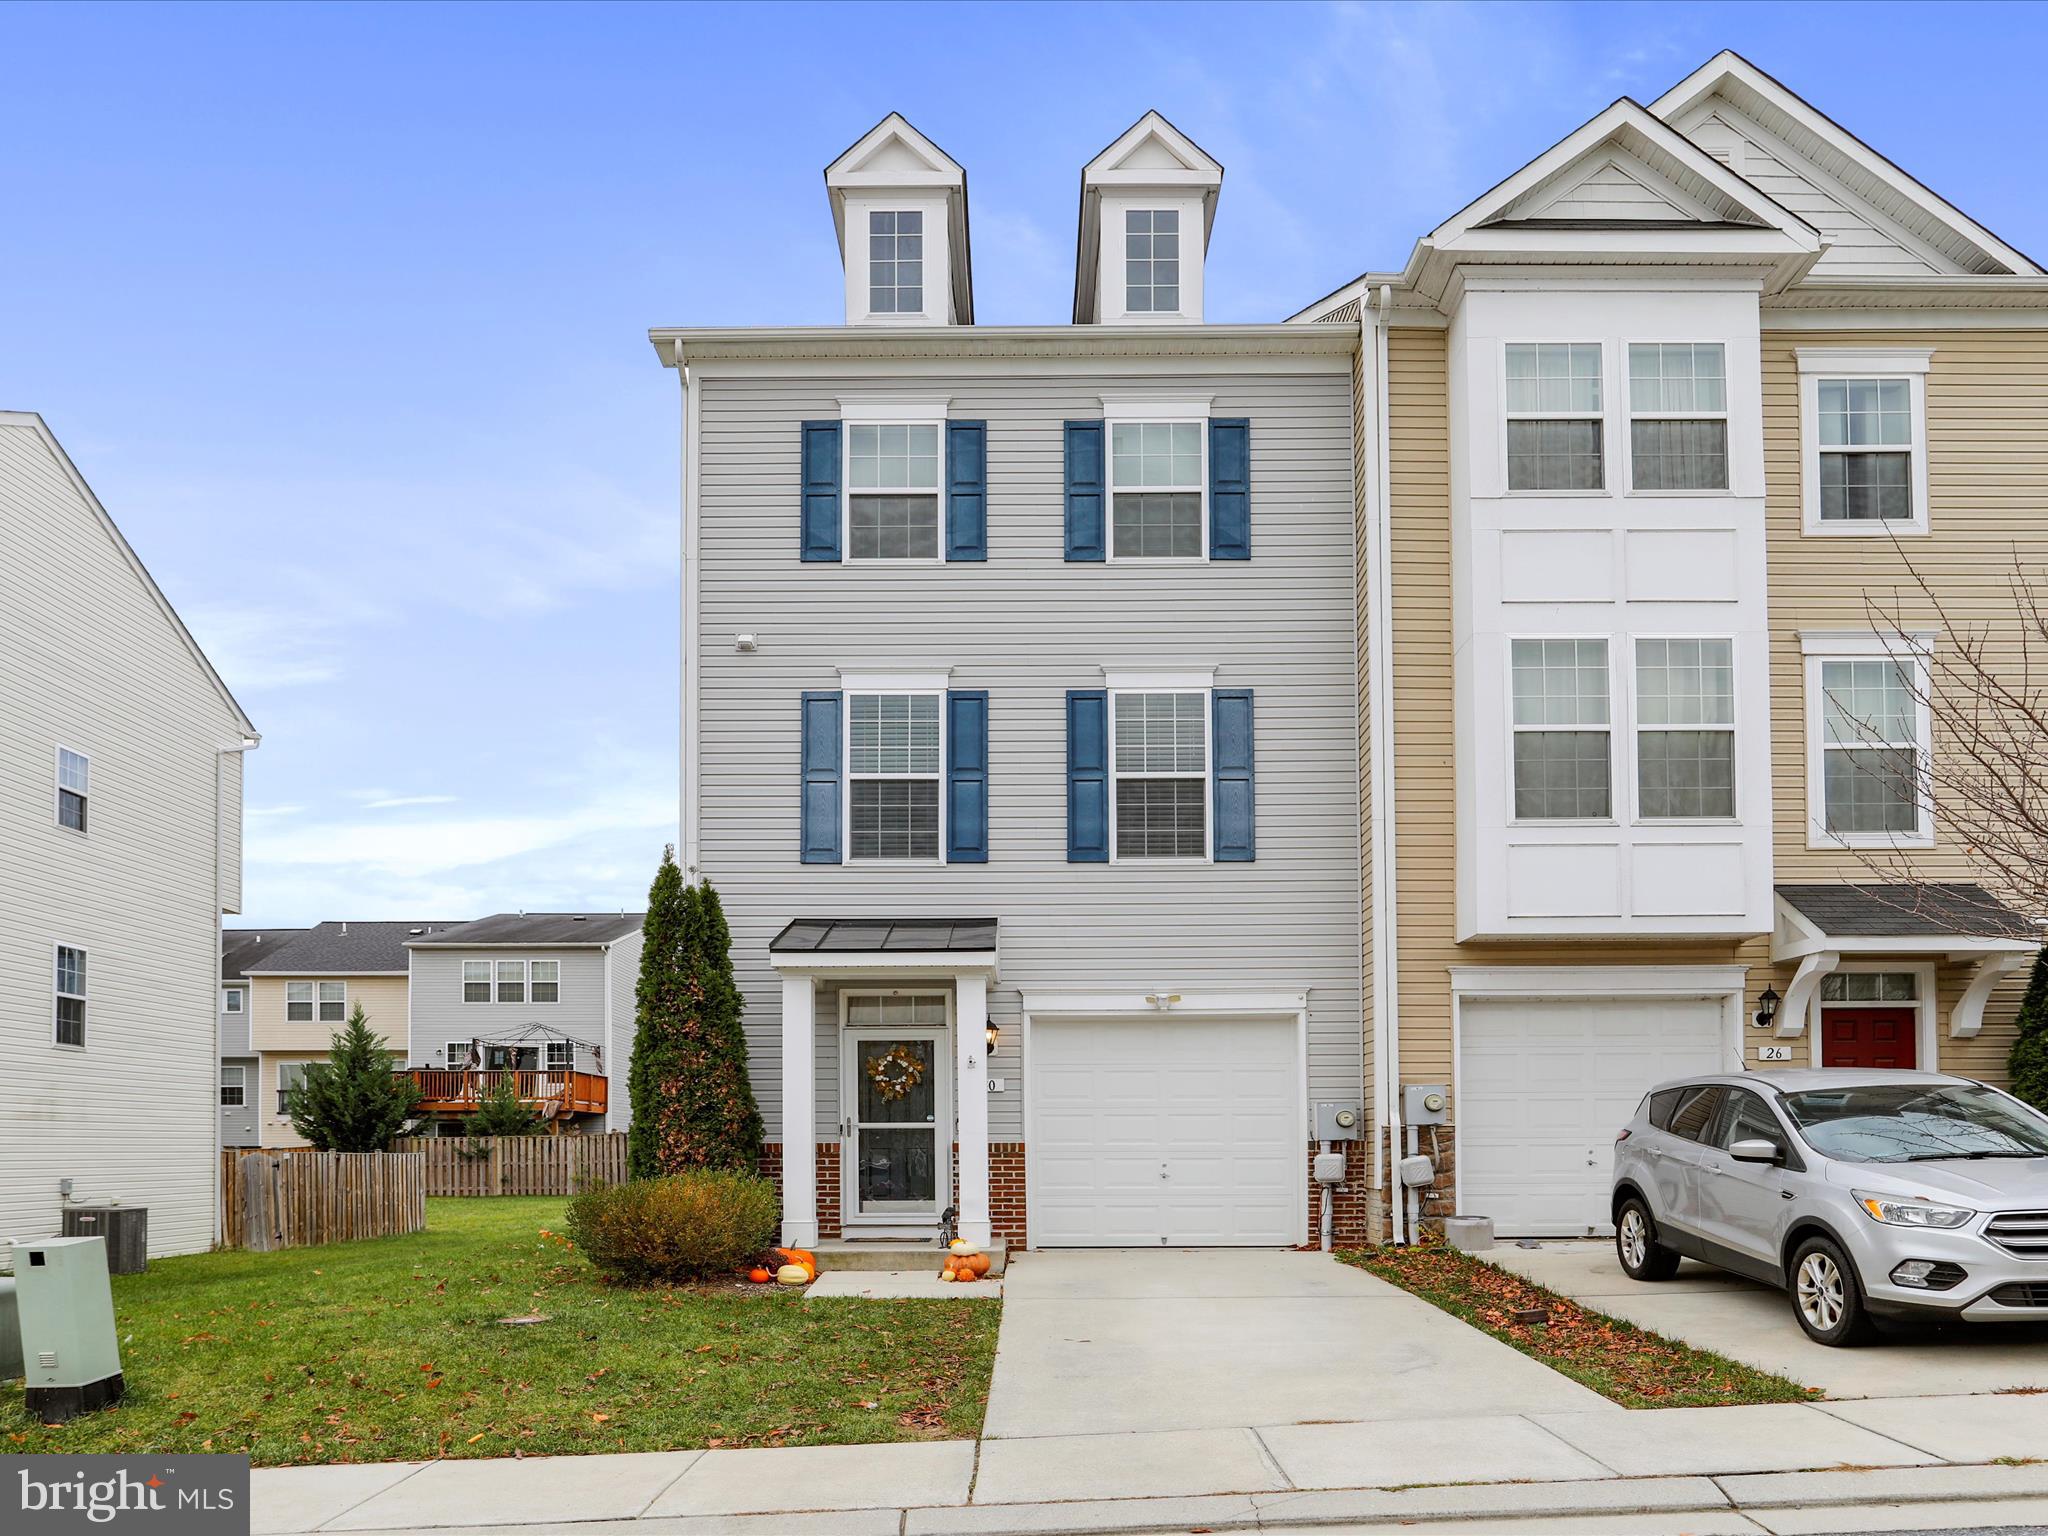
column 544, row 1000
column 980, row 627
column 301, row 995
column 121, row 813
column 1647, row 428
column 240, row 1067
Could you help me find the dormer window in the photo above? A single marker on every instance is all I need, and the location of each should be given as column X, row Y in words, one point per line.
column 896, row 262
column 1152, row 261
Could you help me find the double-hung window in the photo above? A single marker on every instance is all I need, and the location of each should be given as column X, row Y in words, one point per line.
column 1157, row 490
column 73, row 774
column 234, row 1087
column 1864, row 430
column 894, row 762
column 1555, row 426
column 1152, row 261
column 1685, row 729
column 476, row 981
column 511, row 981
column 1562, row 729
column 333, row 1002
column 1678, row 416
column 561, row 1054
column 1160, row 774
column 546, row 977
column 896, row 261
column 290, row 1075
column 307, row 1001
column 70, row 1022
column 1870, row 780
column 892, row 497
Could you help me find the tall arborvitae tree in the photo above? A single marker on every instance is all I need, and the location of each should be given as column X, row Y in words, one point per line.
column 352, row 1101
column 2028, row 1064
column 693, row 1103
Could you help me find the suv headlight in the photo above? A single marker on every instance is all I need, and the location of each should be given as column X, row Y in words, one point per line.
column 1911, row 1213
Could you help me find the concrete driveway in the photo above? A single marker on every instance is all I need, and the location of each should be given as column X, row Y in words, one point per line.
column 1753, row 1323
column 1112, row 1341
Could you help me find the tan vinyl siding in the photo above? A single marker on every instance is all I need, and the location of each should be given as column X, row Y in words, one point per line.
column 1987, row 405
column 383, row 999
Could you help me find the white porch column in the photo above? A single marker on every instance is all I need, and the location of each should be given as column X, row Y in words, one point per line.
column 970, row 1024
column 799, row 1114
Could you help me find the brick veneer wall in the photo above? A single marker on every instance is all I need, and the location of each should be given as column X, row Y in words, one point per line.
column 1005, row 1187
column 829, row 1229
column 1355, row 1217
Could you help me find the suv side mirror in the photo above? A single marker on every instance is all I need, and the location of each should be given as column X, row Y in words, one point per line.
column 1756, row 1149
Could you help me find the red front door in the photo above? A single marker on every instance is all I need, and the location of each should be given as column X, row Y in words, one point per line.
column 1868, row 1037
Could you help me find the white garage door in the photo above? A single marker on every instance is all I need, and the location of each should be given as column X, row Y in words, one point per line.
column 1179, row 1132
column 1543, row 1085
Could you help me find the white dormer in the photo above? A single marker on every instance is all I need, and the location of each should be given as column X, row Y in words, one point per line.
column 1148, row 203
column 899, row 203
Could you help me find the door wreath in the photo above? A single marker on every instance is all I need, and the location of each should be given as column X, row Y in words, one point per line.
column 894, row 1073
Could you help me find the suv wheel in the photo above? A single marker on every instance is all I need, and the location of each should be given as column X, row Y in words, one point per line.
column 1826, row 1297
column 1635, row 1244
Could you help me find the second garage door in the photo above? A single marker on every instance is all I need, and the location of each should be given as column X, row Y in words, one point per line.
column 1544, row 1085
column 1173, row 1132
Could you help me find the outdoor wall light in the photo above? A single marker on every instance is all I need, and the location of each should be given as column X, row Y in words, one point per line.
column 1162, row 1000
column 1766, row 1008
column 990, row 1035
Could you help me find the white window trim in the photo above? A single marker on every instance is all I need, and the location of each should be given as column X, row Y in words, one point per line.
column 525, row 992
column 448, row 1061
column 1815, row 363
column 1632, row 416
column 1180, row 233
column 320, row 1002
column 1616, row 725
column 1818, row 648
column 312, row 1001
column 462, row 983
column 938, row 264
column 241, row 1087
column 1111, row 295
column 535, row 1002
column 1637, row 728
column 57, row 790
column 889, row 413
column 851, row 683
column 1130, row 413
column 232, row 1000
column 1926, row 1035
column 946, row 1110
column 1167, row 682
column 84, row 997
column 1608, row 454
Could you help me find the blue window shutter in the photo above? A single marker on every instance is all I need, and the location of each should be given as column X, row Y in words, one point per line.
column 1087, row 776
column 1087, row 490
column 820, row 832
column 1236, row 817
column 821, row 490
column 1230, row 489
column 967, row 776
column 966, row 490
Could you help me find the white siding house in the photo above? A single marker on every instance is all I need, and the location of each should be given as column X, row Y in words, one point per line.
column 121, row 813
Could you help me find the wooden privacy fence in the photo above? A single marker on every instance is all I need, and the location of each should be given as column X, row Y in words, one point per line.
column 519, row 1165
column 295, row 1200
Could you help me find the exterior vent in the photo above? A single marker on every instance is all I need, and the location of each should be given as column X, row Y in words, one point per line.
column 2021, row 1294
column 2022, row 1233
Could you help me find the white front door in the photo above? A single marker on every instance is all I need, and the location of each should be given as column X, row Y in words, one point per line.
column 898, row 1134
column 1543, row 1086
column 1159, row 1131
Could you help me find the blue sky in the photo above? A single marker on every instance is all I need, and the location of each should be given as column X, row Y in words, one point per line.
column 342, row 310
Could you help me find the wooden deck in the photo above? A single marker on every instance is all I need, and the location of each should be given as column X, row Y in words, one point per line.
column 452, row 1091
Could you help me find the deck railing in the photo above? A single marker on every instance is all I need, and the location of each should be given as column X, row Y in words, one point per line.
column 456, row 1090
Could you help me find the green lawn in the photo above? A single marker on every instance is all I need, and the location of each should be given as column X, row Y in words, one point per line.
column 392, row 1350
column 1633, row 1366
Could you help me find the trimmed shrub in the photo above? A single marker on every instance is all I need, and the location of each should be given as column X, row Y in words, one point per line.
column 501, row 1112
column 2028, row 1064
column 705, row 1224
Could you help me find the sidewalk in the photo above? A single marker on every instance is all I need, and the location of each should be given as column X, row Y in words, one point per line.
column 1780, row 1468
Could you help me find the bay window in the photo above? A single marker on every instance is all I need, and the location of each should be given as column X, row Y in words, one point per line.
column 1678, row 416
column 1562, row 728
column 1685, row 729
column 1555, row 425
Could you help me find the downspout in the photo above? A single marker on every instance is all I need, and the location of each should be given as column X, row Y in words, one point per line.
column 1386, row 991
column 687, row 819
column 213, row 991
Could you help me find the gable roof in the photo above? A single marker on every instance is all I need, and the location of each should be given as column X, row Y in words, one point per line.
column 1887, row 911
column 346, row 949
column 1832, row 170
column 894, row 156
column 554, row 929
column 242, row 946
column 1153, row 154
column 32, row 423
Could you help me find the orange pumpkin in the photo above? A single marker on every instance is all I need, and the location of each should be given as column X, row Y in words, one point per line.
column 978, row 1262
column 759, row 1275
column 965, row 1273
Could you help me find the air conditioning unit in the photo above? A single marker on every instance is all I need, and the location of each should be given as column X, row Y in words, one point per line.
column 71, row 1357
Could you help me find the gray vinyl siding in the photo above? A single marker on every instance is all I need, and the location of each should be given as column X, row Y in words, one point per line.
column 439, row 1014
column 92, row 661
column 238, row 1124
column 618, row 1051
column 234, row 1027
column 1027, row 626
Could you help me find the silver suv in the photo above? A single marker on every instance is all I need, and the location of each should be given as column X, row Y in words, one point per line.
column 1865, row 1194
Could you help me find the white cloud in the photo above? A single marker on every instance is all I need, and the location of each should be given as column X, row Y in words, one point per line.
column 389, row 802
column 272, row 810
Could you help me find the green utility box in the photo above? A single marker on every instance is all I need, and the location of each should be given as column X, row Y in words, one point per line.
column 68, row 1346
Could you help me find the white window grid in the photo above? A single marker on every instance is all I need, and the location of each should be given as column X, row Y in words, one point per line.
column 1577, row 710
column 1654, row 714
column 899, row 459
column 544, row 974
column 1842, row 728
column 74, row 789
column 1689, row 383
column 1163, row 760
column 1152, row 261
column 1541, row 393
column 511, row 975
column 298, row 1002
column 921, row 760
column 1163, row 457
column 476, row 981
column 234, row 1087
column 896, row 261
column 1905, row 370
column 455, row 1054
column 560, row 1056
column 68, row 1022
